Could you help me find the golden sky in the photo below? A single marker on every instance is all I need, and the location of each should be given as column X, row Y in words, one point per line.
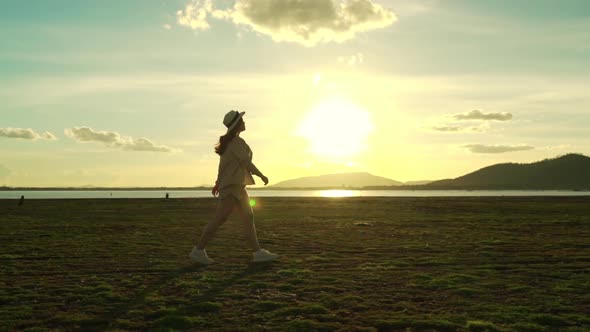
column 134, row 93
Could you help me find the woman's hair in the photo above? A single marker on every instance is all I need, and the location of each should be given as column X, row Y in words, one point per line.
column 225, row 139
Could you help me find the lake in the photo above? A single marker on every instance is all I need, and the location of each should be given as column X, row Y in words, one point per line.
column 81, row 194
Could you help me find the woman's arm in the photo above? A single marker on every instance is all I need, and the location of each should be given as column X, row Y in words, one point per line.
column 215, row 190
column 244, row 156
column 254, row 170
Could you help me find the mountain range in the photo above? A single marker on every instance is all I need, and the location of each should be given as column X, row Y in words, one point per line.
column 343, row 180
column 568, row 172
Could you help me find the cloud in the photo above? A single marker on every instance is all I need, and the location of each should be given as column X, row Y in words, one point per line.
column 480, row 148
column 307, row 22
column 27, row 133
column 4, row 172
column 459, row 129
column 447, row 128
column 48, row 136
column 456, row 129
column 352, row 60
column 194, row 14
column 85, row 134
column 473, row 115
column 478, row 115
column 167, row 26
column 114, row 139
column 144, row 144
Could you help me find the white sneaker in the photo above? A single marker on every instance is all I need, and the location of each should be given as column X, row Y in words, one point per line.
column 200, row 256
column 263, row 255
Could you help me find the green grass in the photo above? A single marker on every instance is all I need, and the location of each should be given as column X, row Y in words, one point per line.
column 423, row 264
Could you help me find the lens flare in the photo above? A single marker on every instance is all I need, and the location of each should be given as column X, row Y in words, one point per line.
column 252, row 203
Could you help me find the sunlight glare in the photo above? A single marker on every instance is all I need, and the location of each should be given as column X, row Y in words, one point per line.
column 336, row 128
column 338, row 193
column 316, row 79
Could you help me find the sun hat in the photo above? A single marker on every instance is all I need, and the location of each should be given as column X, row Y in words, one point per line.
column 232, row 118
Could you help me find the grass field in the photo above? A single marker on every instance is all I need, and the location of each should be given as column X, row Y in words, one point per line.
column 351, row 264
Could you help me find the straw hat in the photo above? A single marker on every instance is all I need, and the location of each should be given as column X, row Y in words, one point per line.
column 232, row 118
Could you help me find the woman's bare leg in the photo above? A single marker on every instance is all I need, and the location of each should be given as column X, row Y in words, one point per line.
column 247, row 216
column 224, row 209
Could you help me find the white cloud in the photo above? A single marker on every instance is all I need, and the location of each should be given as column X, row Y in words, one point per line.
column 27, row 133
column 307, row 22
column 478, row 115
column 194, row 14
column 167, row 26
column 85, row 134
column 114, row 139
column 144, row 144
column 48, row 136
column 352, row 60
column 480, row 148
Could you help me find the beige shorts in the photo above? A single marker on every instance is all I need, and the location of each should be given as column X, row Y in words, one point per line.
column 235, row 190
column 239, row 193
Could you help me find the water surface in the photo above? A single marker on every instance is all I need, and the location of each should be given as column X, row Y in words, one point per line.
column 81, row 194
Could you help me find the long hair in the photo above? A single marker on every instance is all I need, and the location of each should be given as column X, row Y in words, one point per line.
column 225, row 139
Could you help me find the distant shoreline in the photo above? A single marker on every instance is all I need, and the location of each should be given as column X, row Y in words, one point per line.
column 404, row 188
column 101, row 188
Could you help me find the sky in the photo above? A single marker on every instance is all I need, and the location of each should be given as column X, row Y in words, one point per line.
column 133, row 93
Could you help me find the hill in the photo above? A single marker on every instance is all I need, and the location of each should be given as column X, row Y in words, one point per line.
column 568, row 172
column 416, row 183
column 346, row 180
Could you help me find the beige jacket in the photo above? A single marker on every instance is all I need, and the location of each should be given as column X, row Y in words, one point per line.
column 235, row 165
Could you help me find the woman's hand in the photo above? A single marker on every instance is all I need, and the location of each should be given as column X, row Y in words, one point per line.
column 215, row 190
column 264, row 179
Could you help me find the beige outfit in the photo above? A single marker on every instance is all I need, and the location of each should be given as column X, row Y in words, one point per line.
column 235, row 170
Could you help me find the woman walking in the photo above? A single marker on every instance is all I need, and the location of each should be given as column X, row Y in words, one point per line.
column 234, row 174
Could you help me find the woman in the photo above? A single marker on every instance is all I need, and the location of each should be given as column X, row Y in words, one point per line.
column 234, row 174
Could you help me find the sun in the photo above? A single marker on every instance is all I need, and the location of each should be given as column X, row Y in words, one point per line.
column 336, row 128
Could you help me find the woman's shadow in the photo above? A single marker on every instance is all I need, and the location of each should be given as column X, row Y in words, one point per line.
column 139, row 299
